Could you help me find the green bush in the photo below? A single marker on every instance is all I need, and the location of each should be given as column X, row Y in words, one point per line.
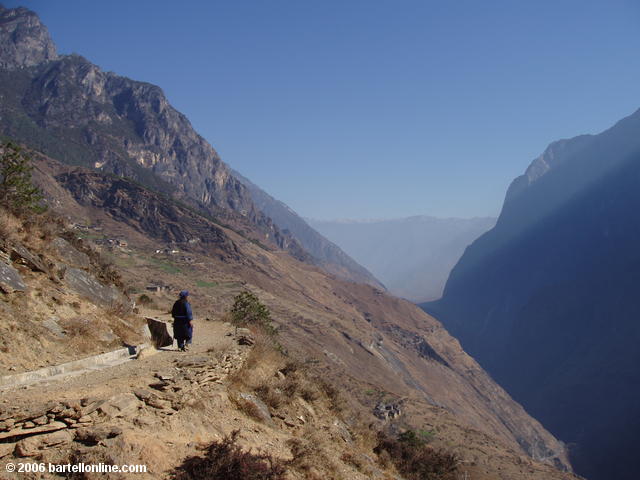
column 17, row 192
column 145, row 300
column 248, row 310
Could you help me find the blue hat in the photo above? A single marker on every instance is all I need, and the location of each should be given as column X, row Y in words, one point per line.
column 184, row 293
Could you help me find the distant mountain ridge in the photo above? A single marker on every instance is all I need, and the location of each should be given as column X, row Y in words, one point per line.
column 551, row 291
column 411, row 256
column 331, row 257
column 71, row 110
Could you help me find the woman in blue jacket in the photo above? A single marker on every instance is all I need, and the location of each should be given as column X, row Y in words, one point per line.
column 182, row 318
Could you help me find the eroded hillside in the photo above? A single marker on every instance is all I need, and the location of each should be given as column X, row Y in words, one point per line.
column 385, row 355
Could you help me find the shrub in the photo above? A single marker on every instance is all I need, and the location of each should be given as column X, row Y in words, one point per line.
column 17, row 192
column 414, row 460
column 416, row 439
column 145, row 299
column 225, row 460
column 248, row 310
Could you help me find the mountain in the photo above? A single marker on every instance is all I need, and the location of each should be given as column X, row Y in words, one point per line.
column 70, row 109
column 411, row 256
column 139, row 184
column 328, row 255
column 378, row 349
column 551, row 291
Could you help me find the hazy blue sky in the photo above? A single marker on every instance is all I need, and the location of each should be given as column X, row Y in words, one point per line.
column 361, row 109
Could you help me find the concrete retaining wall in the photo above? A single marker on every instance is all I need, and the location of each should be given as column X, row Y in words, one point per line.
column 97, row 361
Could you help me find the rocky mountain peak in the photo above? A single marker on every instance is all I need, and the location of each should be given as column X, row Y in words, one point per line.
column 24, row 40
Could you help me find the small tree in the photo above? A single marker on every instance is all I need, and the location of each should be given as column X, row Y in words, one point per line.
column 248, row 310
column 17, row 191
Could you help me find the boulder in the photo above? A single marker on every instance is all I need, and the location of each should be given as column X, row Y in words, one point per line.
column 51, row 324
column 254, row 407
column 70, row 255
column 120, row 405
column 94, row 435
column 89, row 287
column 10, row 279
column 27, row 447
column 24, row 256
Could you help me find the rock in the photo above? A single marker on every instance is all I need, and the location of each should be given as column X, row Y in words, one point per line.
column 28, row 424
column 120, row 405
column 165, row 377
column 143, row 395
column 57, row 438
column 70, row 255
column 159, row 334
column 94, row 435
column 6, row 449
column 255, row 407
column 56, row 408
column 10, row 279
column 88, row 286
column 25, row 40
column 7, row 424
column 43, row 420
column 24, row 256
column 51, row 324
column 28, row 447
column 91, row 407
column 158, row 403
column 49, row 427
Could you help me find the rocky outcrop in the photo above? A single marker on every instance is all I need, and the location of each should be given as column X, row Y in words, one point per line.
column 10, row 279
column 71, row 110
column 24, row 40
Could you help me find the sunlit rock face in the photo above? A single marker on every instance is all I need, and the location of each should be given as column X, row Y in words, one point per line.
column 547, row 300
column 24, row 40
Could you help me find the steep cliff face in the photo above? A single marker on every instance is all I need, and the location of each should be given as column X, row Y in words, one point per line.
column 551, row 291
column 71, row 110
column 24, row 41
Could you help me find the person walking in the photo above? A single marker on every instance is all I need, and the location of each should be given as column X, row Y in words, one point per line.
column 182, row 321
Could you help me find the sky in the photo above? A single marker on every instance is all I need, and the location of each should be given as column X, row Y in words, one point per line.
column 376, row 108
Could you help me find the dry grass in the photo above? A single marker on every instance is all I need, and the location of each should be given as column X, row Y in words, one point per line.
column 309, row 455
column 81, row 334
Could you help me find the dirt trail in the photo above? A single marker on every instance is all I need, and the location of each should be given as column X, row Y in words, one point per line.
column 210, row 338
column 154, row 410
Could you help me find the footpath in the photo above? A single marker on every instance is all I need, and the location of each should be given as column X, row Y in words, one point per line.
column 148, row 411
